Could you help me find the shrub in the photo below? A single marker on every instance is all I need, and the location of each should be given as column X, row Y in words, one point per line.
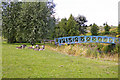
column 116, row 49
column 107, row 28
column 100, row 46
column 109, row 48
column 94, row 29
column 119, row 28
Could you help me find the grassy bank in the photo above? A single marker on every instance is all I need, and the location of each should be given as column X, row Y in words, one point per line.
column 91, row 50
column 27, row 63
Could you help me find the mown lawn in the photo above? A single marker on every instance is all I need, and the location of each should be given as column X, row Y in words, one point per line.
column 27, row 63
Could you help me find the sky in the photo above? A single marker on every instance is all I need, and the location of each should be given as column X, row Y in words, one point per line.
column 95, row 11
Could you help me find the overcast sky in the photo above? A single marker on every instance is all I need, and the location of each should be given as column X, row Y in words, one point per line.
column 96, row 11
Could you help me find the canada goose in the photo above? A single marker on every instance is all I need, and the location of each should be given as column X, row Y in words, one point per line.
column 31, row 47
column 37, row 46
column 36, row 49
column 43, row 47
column 21, row 47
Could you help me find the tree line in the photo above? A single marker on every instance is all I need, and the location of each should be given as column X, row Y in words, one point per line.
column 74, row 26
column 35, row 21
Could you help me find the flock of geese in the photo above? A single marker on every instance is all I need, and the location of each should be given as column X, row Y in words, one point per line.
column 37, row 47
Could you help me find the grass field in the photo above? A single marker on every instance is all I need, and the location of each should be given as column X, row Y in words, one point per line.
column 27, row 63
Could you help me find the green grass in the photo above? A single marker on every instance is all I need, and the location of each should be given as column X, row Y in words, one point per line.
column 27, row 63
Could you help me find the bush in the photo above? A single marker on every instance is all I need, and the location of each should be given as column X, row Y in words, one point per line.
column 119, row 28
column 109, row 48
column 107, row 28
column 94, row 29
column 116, row 49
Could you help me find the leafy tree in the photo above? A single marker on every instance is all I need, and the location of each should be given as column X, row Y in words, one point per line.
column 28, row 22
column 94, row 29
column 11, row 12
column 41, row 22
column 81, row 20
column 60, row 29
column 107, row 28
column 119, row 28
column 51, row 24
column 71, row 27
column 62, row 24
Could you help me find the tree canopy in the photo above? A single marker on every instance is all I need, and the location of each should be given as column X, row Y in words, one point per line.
column 81, row 20
column 74, row 26
column 27, row 22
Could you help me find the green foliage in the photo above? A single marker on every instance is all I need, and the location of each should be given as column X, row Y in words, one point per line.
column 113, row 32
column 81, row 20
column 119, row 29
column 71, row 28
column 60, row 29
column 28, row 22
column 116, row 49
column 107, row 28
column 11, row 13
column 108, row 48
column 94, row 29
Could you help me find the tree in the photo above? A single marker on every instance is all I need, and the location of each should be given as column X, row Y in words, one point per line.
column 81, row 20
column 60, row 29
column 107, row 28
column 11, row 12
column 71, row 27
column 51, row 24
column 40, row 22
column 28, row 22
column 94, row 29
column 62, row 24
column 119, row 29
